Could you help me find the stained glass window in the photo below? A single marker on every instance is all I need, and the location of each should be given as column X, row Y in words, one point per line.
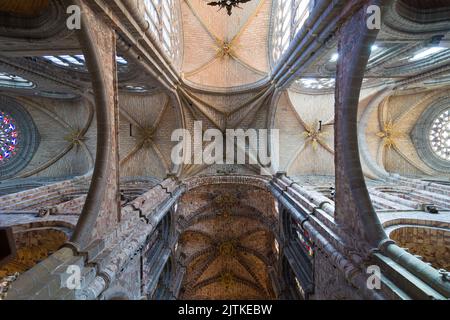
column 9, row 138
column 305, row 240
column 440, row 135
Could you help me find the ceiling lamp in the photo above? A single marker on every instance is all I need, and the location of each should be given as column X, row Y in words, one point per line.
column 227, row 4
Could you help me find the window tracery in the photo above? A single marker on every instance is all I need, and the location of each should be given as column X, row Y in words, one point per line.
column 289, row 17
column 164, row 25
column 440, row 135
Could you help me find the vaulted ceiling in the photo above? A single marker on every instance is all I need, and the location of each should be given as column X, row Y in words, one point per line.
column 306, row 125
column 29, row 8
column 222, row 51
column 427, row 4
column 224, row 82
column 227, row 243
column 146, row 125
column 390, row 131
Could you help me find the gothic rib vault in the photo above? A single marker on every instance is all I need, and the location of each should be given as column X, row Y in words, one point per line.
column 354, row 108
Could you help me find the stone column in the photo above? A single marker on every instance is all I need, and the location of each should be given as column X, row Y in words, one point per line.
column 101, row 211
column 355, row 215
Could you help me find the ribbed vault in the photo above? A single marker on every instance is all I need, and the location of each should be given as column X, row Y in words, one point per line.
column 427, row 4
column 29, row 8
column 227, row 242
column 306, row 125
column 389, row 131
column 146, row 125
column 225, row 111
column 224, row 51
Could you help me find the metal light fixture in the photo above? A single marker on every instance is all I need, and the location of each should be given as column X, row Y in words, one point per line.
column 227, row 4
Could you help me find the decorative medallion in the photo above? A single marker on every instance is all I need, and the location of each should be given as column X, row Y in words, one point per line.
column 75, row 137
column 389, row 134
column 227, row 249
column 227, row 279
column 315, row 135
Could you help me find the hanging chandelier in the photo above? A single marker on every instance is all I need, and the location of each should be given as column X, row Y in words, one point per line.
column 227, row 4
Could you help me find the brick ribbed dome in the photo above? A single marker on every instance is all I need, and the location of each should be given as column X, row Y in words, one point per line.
column 427, row 4
column 29, row 8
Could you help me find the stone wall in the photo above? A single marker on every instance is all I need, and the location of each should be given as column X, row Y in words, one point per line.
column 33, row 246
column 432, row 244
column 117, row 256
column 67, row 137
